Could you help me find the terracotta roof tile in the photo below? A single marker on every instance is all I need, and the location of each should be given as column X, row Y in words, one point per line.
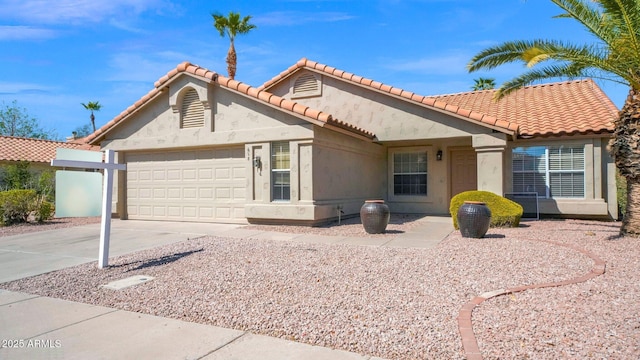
column 560, row 108
column 541, row 110
column 375, row 85
column 253, row 92
column 319, row 118
column 36, row 150
column 385, row 88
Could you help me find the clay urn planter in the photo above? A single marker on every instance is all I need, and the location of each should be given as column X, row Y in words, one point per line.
column 374, row 215
column 474, row 218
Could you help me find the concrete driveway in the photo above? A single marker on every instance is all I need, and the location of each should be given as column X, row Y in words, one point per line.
column 41, row 252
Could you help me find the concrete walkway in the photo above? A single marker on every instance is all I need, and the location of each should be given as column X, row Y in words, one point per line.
column 36, row 327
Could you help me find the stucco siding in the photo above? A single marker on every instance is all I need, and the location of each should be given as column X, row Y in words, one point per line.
column 388, row 117
column 234, row 119
column 436, row 201
column 328, row 171
column 347, row 172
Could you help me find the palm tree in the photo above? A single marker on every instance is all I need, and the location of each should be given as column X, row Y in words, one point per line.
column 615, row 56
column 92, row 106
column 232, row 26
column 484, row 84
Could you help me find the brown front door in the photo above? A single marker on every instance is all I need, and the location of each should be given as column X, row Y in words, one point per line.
column 463, row 171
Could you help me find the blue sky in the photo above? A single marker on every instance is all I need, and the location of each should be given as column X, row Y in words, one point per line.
column 57, row 54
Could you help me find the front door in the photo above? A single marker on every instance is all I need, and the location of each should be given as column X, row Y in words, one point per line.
column 464, row 175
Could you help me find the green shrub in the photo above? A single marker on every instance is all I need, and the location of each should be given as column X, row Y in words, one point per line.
column 17, row 176
column 44, row 211
column 16, row 206
column 21, row 176
column 504, row 212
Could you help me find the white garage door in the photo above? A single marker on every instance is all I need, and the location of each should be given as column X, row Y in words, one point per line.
column 188, row 185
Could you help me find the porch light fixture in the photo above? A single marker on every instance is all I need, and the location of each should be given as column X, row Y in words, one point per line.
column 257, row 163
column 439, row 155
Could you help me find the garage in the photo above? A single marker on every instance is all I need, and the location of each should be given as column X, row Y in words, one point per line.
column 204, row 185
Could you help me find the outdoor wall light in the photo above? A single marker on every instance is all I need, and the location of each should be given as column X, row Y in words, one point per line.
column 439, row 155
column 257, row 163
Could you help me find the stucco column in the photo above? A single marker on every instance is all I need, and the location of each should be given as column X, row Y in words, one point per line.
column 119, row 201
column 490, row 150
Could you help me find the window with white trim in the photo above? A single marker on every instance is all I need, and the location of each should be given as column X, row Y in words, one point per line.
column 552, row 172
column 280, row 171
column 410, row 173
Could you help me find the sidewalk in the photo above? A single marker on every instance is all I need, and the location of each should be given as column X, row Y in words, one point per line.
column 35, row 327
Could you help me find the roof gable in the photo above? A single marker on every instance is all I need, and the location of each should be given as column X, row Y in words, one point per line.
column 554, row 109
column 313, row 116
column 427, row 101
column 35, row 150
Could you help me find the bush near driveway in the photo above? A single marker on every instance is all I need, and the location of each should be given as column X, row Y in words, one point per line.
column 17, row 206
column 504, row 212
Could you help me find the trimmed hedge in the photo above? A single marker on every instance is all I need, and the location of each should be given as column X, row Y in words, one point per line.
column 16, row 206
column 504, row 212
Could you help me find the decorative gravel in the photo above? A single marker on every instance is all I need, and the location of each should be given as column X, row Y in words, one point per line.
column 56, row 223
column 396, row 303
column 349, row 227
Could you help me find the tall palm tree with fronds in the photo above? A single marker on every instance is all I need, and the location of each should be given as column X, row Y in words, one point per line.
column 483, row 84
column 92, row 106
column 615, row 56
column 231, row 26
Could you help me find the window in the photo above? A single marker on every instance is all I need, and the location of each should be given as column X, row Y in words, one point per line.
column 549, row 171
column 280, row 171
column 192, row 112
column 410, row 173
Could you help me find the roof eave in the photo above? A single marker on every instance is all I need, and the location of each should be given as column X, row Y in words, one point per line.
column 602, row 133
column 161, row 87
column 410, row 97
column 330, row 124
column 130, row 111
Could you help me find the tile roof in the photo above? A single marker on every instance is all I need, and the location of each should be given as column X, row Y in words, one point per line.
column 553, row 109
column 316, row 117
column 570, row 107
column 470, row 115
column 35, row 150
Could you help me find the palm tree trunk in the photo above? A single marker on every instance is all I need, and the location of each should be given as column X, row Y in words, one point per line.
column 93, row 121
column 631, row 219
column 625, row 147
column 232, row 60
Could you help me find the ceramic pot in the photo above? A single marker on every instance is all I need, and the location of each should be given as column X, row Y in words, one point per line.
column 375, row 216
column 474, row 218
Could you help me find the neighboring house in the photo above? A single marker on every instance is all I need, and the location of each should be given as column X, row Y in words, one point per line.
column 38, row 153
column 314, row 139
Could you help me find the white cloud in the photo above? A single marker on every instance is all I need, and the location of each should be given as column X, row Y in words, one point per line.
column 8, row 32
column 289, row 18
column 23, row 88
column 76, row 11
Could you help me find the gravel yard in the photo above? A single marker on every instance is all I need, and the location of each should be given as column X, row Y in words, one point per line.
column 395, row 303
column 57, row 223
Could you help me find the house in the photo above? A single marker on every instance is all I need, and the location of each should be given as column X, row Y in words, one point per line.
column 315, row 140
column 37, row 152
